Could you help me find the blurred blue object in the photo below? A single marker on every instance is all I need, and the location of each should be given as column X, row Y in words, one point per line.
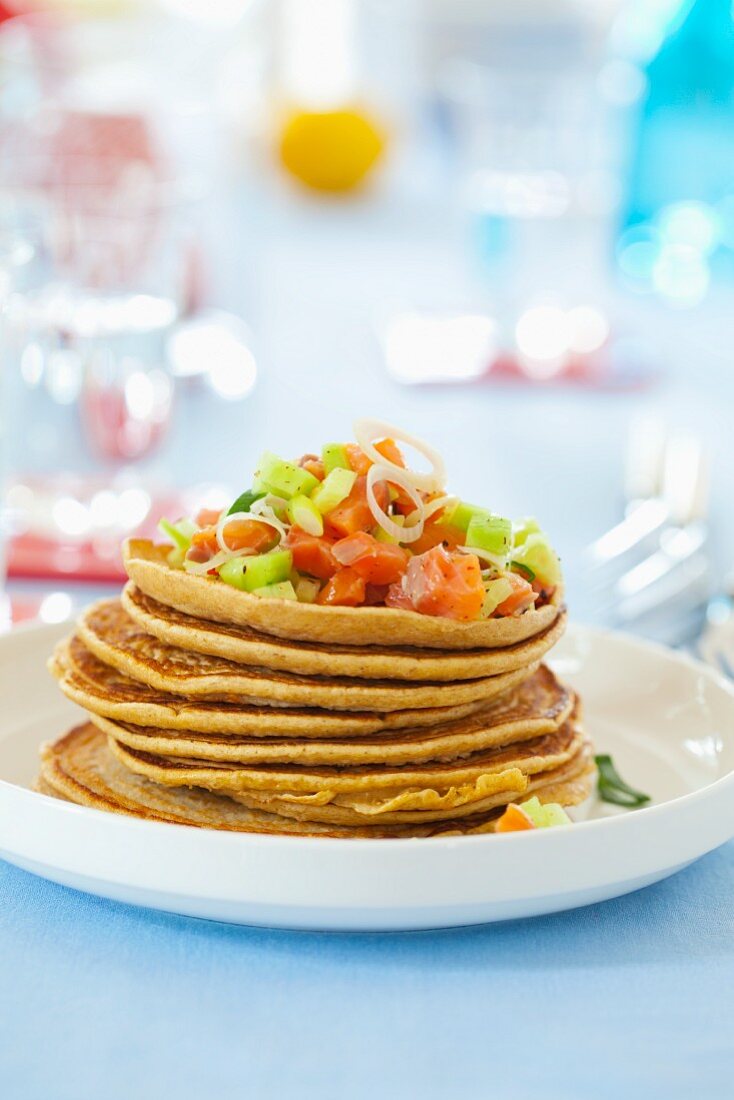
column 678, row 218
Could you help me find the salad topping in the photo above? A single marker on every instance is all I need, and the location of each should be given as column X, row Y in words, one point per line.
column 356, row 526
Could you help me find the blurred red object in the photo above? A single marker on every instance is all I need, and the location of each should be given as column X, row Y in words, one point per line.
column 93, row 557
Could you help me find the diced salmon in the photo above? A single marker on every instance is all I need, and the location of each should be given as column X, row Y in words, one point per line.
column 248, row 534
column 389, row 449
column 514, row 820
column 311, row 554
column 208, row 517
column 378, row 563
column 313, row 464
column 357, row 459
column 205, row 543
column 441, row 583
column 520, row 599
column 435, row 533
column 345, row 589
column 354, row 513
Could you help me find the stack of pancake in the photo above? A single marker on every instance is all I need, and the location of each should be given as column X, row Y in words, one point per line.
column 207, row 719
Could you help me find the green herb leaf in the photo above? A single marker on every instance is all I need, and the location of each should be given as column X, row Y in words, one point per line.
column 245, row 501
column 612, row 788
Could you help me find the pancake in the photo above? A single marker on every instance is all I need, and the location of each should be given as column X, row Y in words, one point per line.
column 112, row 636
column 569, row 784
column 494, row 770
column 79, row 768
column 539, row 706
column 248, row 646
column 102, row 690
column 208, row 598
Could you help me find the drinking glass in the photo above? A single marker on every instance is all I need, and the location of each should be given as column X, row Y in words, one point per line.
column 105, row 216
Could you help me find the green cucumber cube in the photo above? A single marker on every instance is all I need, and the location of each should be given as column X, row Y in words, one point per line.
column 284, row 590
column 304, row 513
column 461, row 515
column 258, row 570
column 334, row 457
column 285, row 479
column 175, row 557
column 491, row 533
column 521, row 528
column 179, row 533
column 545, row 816
column 335, row 488
column 539, row 556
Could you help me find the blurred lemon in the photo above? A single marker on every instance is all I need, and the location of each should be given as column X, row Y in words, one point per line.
column 330, row 150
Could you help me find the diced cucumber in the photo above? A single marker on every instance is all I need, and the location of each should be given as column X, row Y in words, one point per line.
column 179, row 533
column 537, row 554
column 334, row 457
column 245, row 501
column 461, row 515
column 285, row 479
column 545, row 816
column 555, row 814
column 307, row 589
column 304, row 513
column 497, row 592
column 335, row 487
column 175, row 557
column 493, row 534
column 283, row 590
column 381, row 534
column 257, row 571
column 521, row 528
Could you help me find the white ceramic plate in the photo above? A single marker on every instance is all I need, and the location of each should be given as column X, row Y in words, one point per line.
column 668, row 721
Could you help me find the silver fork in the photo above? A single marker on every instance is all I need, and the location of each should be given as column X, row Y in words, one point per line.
column 650, row 573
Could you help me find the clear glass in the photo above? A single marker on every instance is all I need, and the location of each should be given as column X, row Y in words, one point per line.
column 91, row 186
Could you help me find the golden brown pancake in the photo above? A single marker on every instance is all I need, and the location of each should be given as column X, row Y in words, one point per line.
column 441, row 786
column 569, row 784
column 79, row 768
column 102, row 690
column 539, row 706
column 112, row 636
column 247, row 646
column 209, row 598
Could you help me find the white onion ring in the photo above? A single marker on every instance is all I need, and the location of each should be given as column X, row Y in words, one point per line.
column 395, row 476
column 432, row 507
column 367, row 430
column 244, row 515
column 484, row 555
column 266, row 505
column 198, row 568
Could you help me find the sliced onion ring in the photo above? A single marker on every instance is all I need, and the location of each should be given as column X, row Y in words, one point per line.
column 396, row 476
column 367, row 430
column 198, row 568
column 431, row 507
column 266, row 505
column 484, row 555
column 275, row 523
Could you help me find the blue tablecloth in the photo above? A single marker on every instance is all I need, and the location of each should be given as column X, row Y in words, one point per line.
column 632, row 998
